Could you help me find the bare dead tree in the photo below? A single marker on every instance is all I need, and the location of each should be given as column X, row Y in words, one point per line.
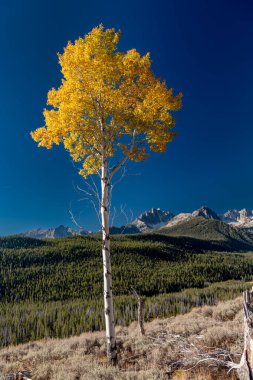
column 18, row 375
column 218, row 357
column 140, row 312
column 245, row 367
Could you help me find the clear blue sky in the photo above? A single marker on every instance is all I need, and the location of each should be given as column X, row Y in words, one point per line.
column 202, row 48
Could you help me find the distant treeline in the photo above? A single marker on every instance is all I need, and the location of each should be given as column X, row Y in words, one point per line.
column 54, row 288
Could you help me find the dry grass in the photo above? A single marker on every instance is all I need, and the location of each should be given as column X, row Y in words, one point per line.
column 170, row 350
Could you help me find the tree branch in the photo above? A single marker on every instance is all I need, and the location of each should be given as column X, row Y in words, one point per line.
column 123, row 161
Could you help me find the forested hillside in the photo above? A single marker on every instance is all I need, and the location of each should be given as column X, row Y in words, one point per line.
column 214, row 233
column 54, row 288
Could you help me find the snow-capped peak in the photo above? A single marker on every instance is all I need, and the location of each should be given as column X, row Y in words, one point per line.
column 179, row 218
column 245, row 213
column 241, row 219
column 230, row 216
column 206, row 213
column 54, row 232
column 154, row 218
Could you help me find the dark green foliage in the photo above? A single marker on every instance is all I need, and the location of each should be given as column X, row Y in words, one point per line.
column 212, row 234
column 20, row 242
column 54, row 288
column 25, row 321
column 124, row 230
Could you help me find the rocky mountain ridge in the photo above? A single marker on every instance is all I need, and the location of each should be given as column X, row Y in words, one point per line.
column 54, row 232
column 155, row 219
column 238, row 218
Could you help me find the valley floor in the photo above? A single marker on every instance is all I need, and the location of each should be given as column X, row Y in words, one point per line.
column 171, row 349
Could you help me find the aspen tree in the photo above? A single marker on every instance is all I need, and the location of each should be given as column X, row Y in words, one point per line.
column 109, row 108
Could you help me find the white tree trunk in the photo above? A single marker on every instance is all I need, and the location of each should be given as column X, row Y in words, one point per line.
column 108, row 301
column 245, row 370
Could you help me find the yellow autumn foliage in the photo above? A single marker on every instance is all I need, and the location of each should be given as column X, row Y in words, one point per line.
column 109, row 102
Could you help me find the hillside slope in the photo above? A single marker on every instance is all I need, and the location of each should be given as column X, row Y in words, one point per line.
column 211, row 230
column 54, row 287
column 170, row 349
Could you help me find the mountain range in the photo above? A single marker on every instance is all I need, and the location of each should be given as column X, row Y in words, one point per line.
column 54, row 232
column 157, row 219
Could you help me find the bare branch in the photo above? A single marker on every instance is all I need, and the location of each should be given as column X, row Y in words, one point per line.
column 123, row 211
column 112, row 185
column 72, row 217
column 113, row 216
column 124, row 160
column 132, row 214
column 97, row 211
column 92, row 195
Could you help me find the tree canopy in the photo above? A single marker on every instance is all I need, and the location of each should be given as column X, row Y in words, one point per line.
column 109, row 102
